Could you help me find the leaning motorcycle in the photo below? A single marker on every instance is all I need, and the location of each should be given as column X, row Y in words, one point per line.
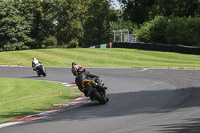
column 95, row 89
column 40, row 70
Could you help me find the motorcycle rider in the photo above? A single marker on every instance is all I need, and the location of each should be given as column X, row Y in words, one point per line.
column 35, row 63
column 81, row 73
column 75, row 67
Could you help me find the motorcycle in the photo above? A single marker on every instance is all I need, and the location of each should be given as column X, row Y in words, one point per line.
column 40, row 70
column 95, row 90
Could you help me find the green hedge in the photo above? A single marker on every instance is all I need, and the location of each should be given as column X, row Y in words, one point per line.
column 184, row 31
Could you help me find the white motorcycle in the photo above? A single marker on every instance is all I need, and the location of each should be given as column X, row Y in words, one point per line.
column 40, row 70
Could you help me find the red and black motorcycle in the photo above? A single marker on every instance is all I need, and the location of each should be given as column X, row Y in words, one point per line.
column 95, row 89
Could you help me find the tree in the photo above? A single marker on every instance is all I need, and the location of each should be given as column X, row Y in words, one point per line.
column 40, row 15
column 49, row 23
column 177, row 8
column 71, row 15
column 97, row 26
column 14, row 29
column 31, row 10
column 140, row 11
column 137, row 11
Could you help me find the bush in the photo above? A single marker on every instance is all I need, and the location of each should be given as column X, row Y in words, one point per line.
column 15, row 46
column 50, row 42
column 184, row 31
column 72, row 44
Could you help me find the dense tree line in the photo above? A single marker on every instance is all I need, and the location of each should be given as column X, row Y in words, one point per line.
column 140, row 11
column 27, row 24
column 164, row 21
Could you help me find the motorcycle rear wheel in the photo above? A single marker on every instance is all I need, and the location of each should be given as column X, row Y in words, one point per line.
column 97, row 96
column 44, row 74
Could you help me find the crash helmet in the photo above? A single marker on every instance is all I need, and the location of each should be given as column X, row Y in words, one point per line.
column 34, row 58
column 75, row 70
column 74, row 64
column 80, row 70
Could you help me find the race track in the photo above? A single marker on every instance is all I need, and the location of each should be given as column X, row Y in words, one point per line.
column 141, row 101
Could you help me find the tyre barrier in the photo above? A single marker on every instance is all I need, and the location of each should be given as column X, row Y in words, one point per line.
column 159, row 47
column 152, row 47
column 107, row 45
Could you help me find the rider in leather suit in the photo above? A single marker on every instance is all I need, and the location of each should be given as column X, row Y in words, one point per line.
column 35, row 63
column 81, row 73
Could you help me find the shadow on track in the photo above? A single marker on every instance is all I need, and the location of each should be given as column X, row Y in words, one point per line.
column 132, row 103
column 30, row 77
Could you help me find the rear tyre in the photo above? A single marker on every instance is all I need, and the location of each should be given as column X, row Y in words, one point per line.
column 107, row 99
column 97, row 96
column 44, row 74
column 38, row 74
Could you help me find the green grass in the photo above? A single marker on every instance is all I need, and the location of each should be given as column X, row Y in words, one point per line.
column 22, row 97
column 117, row 58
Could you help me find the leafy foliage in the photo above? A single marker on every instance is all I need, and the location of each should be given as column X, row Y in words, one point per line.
column 49, row 42
column 140, row 11
column 65, row 22
column 34, row 24
column 174, row 30
column 70, row 19
column 115, row 25
column 14, row 29
column 169, row 22
column 97, row 26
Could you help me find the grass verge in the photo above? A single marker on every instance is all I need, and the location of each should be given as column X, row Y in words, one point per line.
column 117, row 58
column 22, row 97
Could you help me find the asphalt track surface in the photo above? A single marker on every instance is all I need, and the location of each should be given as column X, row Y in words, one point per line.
column 141, row 101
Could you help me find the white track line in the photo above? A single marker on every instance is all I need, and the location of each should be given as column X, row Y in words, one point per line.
column 10, row 124
column 144, row 69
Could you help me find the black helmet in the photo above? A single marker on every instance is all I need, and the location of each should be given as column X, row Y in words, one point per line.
column 73, row 64
column 75, row 69
column 80, row 70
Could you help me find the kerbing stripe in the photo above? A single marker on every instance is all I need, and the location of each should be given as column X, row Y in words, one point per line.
column 28, row 118
column 73, row 104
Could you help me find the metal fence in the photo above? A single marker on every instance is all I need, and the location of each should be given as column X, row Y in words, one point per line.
column 124, row 36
